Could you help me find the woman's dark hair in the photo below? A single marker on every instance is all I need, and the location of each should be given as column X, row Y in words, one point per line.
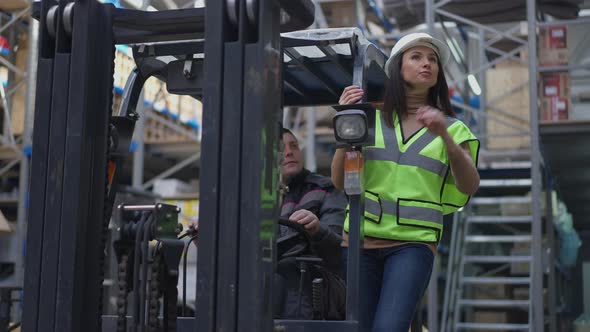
column 394, row 99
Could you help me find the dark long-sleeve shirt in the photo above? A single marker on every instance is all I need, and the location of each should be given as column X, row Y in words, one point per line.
column 316, row 193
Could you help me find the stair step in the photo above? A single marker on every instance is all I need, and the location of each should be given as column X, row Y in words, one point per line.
column 491, row 326
column 498, row 238
column 500, row 219
column 510, row 164
column 496, row 280
column 494, row 183
column 497, row 259
column 505, row 154
column 494, row 303
column 501, row 200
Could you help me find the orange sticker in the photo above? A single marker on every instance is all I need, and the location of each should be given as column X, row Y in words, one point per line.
column 353, row 161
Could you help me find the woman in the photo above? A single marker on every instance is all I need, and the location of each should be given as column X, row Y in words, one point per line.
column 421, row 167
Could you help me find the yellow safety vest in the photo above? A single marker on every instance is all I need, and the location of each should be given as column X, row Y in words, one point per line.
column 408, row 185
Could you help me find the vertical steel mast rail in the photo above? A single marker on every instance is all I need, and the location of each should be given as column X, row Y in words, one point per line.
column 67, row 223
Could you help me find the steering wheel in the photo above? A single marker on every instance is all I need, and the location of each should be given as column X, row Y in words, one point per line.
column 295, row 243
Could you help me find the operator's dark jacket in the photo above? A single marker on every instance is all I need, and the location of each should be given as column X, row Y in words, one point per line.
column 316, row 193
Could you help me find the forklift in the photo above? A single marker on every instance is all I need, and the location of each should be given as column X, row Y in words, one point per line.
column 233, row 57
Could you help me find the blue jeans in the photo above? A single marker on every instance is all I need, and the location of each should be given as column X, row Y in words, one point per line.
column 393, row 281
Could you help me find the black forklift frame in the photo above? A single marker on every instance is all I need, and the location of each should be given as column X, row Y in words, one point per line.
column 69, row 199
column 365, row 69
column 62, row 286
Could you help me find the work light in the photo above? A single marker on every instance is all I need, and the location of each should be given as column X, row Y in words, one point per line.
column 351, row 126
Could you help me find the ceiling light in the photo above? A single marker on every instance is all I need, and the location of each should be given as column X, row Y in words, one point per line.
column 473, row 84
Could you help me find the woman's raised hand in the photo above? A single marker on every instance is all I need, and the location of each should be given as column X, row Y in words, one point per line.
column 350, row 95
column 433, row 119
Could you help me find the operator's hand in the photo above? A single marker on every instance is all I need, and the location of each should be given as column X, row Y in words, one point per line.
column 193, row 224
column 350, row 95
column 307, row 219
column 433, row 119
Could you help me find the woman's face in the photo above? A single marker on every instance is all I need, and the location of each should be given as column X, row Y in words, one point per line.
column 420, row 67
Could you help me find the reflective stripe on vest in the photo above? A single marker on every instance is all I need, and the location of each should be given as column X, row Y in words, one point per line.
column 412, row 156
column 405, row 212
column 422, row 169
column 406, row 219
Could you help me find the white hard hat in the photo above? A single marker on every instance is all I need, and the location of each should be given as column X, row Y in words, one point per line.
column 419, row 39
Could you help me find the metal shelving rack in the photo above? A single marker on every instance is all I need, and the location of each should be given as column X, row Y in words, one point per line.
column 486, row 36
column 20, row 147
column 16, row 149
column 564, row 152
column 536, row 132
column 540, row 174
column 536, row 290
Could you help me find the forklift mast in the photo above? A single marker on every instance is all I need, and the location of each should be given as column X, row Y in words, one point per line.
column 247, row 73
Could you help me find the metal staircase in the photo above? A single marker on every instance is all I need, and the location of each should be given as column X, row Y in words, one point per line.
column 489, row 269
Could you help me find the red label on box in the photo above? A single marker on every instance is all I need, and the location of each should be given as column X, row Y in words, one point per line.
column 557, row 37
column 555, row 85
column 553, row 48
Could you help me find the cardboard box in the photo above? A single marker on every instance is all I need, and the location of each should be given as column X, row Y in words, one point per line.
column 490, row 317
column 189, row 210
column 555, row 96
column 555, row 108
column 339, row 14
column 553, row 46
column 520, row 268
column 173, row 104
column 555, row 85
column 489, row 292
column 19, row 98
column 514, row 107
column 515, row 209
column 521, row 293
column 123, row 67
column 12, row 5
column 172, row 187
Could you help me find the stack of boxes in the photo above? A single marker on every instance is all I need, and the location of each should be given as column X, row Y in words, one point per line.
column 555, row 86
column 507, row 90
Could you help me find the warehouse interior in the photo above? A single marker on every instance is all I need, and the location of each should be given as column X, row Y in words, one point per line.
column 516, row 258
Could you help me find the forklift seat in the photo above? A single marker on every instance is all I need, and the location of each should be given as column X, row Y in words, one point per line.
column 323, row 290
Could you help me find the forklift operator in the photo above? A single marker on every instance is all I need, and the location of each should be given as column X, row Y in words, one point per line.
column 312, row 201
